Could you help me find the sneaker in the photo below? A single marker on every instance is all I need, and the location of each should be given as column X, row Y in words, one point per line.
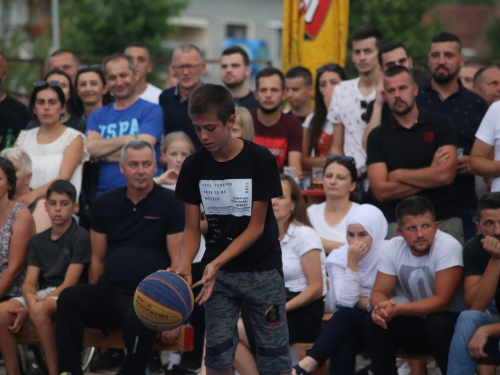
column 112, row 359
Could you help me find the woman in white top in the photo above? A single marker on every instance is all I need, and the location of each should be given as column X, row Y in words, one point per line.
column 352, row 270
column 328, row 218
column 56, row 151
column 304, row 273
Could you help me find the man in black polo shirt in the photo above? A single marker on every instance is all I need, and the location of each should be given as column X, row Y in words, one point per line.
column 413, row 153
column 135, row 230
column 188, row 66
column 445, row 94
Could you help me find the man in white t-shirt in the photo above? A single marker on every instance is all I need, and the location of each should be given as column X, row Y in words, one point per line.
column 142, row 60
column 487, row 141
column 350, row 98
column 416, row 297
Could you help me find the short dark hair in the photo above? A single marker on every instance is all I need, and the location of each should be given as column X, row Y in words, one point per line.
column 62, row 187
column 414, row 206
column 137, row 44
column 10, row 171
column 300, row 71
column 268, row 72
column 479, row 74
column 388, row 47
column 397, row 69
column 489, row 201
column 446, row 36
column 212, row 99
column 116, row 56
column 62, row 51
column 237, row 49
column 37, row 89
column 367, row 31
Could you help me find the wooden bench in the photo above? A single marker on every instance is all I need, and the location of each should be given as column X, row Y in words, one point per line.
column 113, row 339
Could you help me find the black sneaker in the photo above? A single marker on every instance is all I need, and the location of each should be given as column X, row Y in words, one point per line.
column 112, row 359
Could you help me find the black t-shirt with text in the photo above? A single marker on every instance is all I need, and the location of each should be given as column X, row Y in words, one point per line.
column 227, row 191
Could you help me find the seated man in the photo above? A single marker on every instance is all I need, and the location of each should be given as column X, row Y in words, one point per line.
column 477, row 333
column 415, row 300
column 135, row 230
column 56, row 260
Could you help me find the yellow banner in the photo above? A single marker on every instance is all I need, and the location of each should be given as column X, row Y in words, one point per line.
column 314, row 33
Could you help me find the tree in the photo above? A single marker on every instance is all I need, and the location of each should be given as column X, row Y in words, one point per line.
column 493, row 37
column 97, row 27
column 399, row 20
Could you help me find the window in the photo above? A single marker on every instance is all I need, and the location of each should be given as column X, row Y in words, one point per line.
column 236, row 31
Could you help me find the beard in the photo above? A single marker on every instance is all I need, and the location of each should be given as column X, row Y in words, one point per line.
column 268, row 111
column 405, row 110
column 443, row 79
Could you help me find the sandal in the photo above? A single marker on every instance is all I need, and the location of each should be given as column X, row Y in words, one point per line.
column 300, row 371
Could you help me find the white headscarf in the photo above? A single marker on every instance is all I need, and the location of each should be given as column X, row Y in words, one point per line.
column 375, row 224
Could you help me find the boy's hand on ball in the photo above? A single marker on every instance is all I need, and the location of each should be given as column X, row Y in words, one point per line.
column 182, row 271
column 168, row 337
column 208, row 281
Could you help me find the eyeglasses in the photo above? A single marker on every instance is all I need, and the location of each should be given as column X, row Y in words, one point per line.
column 43, row 83
column 190, row 68
column 332, row 157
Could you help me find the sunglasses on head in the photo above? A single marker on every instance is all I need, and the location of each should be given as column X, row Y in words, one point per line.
column 43, row 83
column 332, row 157
column 89, row 66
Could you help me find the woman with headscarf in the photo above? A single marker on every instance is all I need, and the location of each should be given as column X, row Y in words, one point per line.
column 352, row 270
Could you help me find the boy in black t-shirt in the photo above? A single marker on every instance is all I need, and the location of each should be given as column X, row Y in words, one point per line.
column 235, row 180
column 56, row 260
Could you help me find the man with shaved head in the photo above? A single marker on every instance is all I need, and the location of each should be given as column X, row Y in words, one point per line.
column 66, row 61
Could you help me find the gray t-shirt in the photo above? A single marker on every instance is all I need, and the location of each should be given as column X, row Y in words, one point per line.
column 54, row 257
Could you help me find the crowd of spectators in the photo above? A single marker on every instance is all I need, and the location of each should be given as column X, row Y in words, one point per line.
column 408, row 242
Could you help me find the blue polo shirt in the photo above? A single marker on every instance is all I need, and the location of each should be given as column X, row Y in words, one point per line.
column 466, row 109
column 142, row 117
column 175, row 114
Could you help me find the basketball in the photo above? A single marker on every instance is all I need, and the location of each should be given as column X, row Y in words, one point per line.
column 163, row 301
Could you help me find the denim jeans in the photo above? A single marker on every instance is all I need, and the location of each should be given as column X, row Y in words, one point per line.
column 459, row 361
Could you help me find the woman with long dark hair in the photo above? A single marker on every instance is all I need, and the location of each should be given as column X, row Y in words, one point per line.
column 318, row 132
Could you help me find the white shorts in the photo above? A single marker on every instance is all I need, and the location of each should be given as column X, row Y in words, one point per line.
column 41, row 293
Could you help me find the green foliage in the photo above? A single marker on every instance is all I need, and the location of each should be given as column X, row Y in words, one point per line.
column 399, row 21
column 99, row 28
column 493, row 37
column 22, row 74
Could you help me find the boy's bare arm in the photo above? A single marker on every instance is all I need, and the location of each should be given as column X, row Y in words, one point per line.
column 73, row 274
column 30, row 281
column 190, row 242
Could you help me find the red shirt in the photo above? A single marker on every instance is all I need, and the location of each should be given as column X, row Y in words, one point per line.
column 280, row 138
